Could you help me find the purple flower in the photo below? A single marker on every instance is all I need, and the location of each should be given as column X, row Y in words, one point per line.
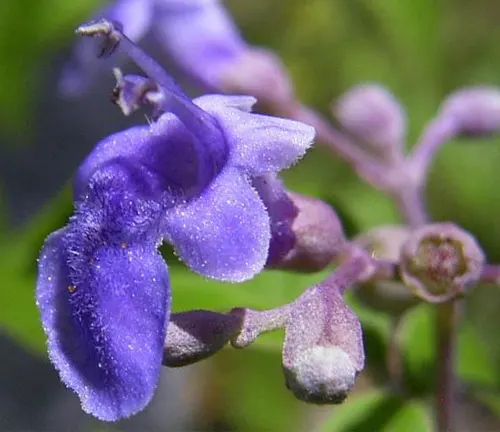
column 198, row 35
column 103, row 289
column 323, row 350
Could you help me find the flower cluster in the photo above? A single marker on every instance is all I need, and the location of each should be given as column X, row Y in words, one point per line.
column 204, row 177
column 202, row 42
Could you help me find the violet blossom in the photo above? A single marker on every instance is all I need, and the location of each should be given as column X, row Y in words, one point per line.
column 187, row 178
column 198, row 35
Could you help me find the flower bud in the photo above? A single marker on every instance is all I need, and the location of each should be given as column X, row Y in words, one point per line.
column 195, row 335
column 372, row 113
column 323, row 349
column 389, row 296
column 319, row 236
column 439, row 262
column 260, row 73
column 476, row 110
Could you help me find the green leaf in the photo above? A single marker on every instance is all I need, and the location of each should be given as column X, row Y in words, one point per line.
column 378, row 411
column 19, row 317
column 376, row 327
column 418, row 349
column 29, row 31
column 254, row 395
column 269, row 289
column 474, row 363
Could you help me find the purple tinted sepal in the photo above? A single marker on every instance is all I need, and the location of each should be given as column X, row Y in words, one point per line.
column 318, row 233
column 441, row 262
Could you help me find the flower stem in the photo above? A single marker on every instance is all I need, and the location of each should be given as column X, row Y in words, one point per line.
column 396, row 180
column 491, row 274
column 446, row 332
column 394, row 359
column 436, row 134
column 411, row 206
column 342, row 145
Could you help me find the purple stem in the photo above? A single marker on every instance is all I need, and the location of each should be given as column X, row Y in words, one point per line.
column 436, row 134
column 256, row 322
column 365, row 165
column 359, row 267
column 446, row 329
column 394, row 359
column 490, row 274
column 410, row 203
column 390, row 178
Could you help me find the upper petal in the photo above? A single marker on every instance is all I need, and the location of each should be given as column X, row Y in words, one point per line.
column 105, row 333
column 200, row 37
column 224, row 233
column 258, row 143
column 166, row 150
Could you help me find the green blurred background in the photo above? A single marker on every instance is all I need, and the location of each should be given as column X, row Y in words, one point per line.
column 421, row 50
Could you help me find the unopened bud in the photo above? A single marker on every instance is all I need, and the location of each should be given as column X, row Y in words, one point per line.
column 385, row 243
column 260, row 73
column 319, row 236
column 440, row 262
column 323, row 349
column 476, row 110
column 195, row 335
column 373, row 114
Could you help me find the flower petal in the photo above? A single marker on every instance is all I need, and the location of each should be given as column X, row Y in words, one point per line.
column 259, row 144
column 77, row 76
column 282, row 213
column 200, row 37
column 169, row 153
column 224, row 234
column 106, row 334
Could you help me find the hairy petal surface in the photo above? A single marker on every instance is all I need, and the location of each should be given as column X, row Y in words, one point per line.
column 282, row 213
column 105, row 333
column 171, row 157
column 200, row 37
column 259, row 144
column 224, row 233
